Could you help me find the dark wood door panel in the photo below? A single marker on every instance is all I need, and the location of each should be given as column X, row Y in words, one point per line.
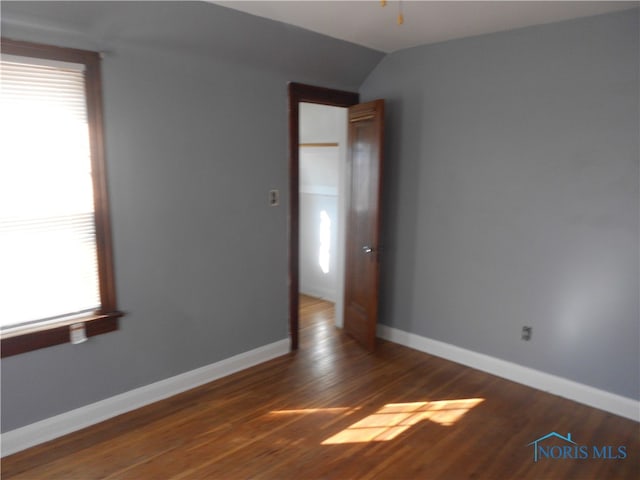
column 363, row 221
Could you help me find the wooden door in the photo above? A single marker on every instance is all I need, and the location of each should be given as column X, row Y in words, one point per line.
column 363, row 222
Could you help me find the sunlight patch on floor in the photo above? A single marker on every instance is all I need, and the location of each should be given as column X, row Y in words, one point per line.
column 395, row 418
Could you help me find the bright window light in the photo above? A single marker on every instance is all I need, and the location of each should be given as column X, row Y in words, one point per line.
column 396, row 418
column 324, row 255
column 48, row 261
column 392, row 419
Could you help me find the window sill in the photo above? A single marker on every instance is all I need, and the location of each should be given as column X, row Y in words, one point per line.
column 33, row 337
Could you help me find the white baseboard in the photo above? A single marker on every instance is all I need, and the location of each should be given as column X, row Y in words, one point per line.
column 319, row 292
column 610, row 402
column 59, row 425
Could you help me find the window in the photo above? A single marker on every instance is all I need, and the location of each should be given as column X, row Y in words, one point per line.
column 56, row 267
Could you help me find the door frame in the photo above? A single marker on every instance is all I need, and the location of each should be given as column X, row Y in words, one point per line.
column 298, row 93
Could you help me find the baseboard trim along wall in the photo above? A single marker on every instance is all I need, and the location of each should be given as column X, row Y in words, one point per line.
column 59, row 425
column 318, row 292
column 578, row 392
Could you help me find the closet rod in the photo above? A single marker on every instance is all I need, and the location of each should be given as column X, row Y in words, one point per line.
column 326, row 144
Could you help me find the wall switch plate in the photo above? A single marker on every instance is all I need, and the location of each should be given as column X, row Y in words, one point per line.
column 77, row 333
column 526, row 333
column 274, row 198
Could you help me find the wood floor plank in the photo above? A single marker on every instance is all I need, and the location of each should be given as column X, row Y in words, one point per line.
column 313, row 414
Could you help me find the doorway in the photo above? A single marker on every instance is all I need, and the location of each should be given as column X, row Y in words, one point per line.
column 303, row 94
column 322, row 195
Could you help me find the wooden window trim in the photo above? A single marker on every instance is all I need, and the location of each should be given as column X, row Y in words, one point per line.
column 105, row 319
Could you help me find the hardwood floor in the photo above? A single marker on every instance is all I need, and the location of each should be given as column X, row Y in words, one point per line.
column 332, row 411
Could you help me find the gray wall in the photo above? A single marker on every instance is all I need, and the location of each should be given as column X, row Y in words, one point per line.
column 512, row 192
column 196, row 129
column 512, row 196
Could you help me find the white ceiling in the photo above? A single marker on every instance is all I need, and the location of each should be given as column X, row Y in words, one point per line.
column 369, row 24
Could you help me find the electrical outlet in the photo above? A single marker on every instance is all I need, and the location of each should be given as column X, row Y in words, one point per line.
column 526, row 333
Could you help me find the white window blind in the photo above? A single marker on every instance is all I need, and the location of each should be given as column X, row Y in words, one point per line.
column 48, row 261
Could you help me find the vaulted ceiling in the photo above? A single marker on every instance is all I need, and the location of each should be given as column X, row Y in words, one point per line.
column 369, row 24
